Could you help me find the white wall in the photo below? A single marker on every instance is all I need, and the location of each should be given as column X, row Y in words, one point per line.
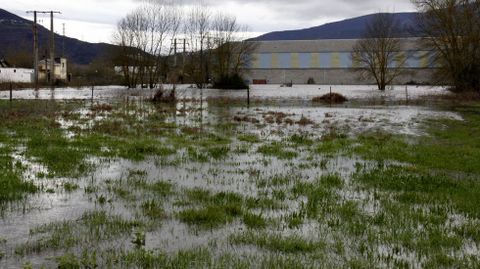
column 18, row 75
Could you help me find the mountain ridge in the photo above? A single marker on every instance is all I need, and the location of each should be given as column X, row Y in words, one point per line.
column 353, row 28
column 17, row 36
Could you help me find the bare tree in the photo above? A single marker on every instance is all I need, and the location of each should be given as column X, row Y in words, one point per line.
column 452, row 30
column 142, row 36
column 231, row 51
column 128, row 54
column 197, row 28
column 215, row 44
column 378, row 52
column 163, row 23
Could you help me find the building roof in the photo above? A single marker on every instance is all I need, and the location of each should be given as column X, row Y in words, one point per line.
column 326, row 45
column 57, row 60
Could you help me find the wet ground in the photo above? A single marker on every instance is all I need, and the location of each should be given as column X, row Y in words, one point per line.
column 209, row 181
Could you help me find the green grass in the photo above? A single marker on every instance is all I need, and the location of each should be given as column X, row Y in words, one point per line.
column 419, row 188
column 453, row 148
column 152, row 209
column 218, row 209
column 92, row 227
column 413, row 196
column 254, row 221
column 250, row 138
column 278, row 150
column 285, row 244
column 13, row 187
column 208, row 217
column 300, row 140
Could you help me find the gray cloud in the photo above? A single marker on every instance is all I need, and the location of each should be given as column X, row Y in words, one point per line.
column 260, row 15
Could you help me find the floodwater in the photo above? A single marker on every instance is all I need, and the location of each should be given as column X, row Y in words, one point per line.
column 276, row 92
column 228, row 175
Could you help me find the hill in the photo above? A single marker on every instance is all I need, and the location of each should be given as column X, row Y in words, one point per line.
column 17, row 38
column 354, row 28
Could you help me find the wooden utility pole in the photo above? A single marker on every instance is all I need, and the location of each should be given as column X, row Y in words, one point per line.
column 63, row 41
column 35, row 49
column 52, row 51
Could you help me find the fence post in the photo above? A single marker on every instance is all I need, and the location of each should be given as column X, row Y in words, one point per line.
column 248, row 96
column 11, row 93
column 406, row 93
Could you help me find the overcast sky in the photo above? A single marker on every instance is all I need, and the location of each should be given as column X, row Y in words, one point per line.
column 95, row 20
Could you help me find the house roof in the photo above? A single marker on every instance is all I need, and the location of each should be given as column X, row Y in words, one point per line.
column 57, row 60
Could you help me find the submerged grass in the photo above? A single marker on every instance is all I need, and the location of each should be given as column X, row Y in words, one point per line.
column 285, row 244
column 421, row 212
column 91, row 227
column 13, row 187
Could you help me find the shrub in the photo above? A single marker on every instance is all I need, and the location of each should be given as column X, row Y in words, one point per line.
column 331, row 98
column 230, row 82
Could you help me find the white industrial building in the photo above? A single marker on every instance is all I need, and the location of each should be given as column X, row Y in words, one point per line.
column 328, row 62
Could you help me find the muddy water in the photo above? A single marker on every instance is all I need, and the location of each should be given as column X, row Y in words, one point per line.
column 223, row 175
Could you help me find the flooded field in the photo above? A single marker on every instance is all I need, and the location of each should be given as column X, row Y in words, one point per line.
column 385, row 180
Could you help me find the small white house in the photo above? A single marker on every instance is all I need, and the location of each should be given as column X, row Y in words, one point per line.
column 60, row 69
column 16, row 75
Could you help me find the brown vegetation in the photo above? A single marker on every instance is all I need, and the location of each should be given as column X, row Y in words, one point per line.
column 305, row 121
column 161, row 96
column 245, row 119
column 331, row 98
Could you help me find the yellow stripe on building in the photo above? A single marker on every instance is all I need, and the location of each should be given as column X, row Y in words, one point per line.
column 295, row 60
column 335, row 60
column 355, row 60
column 400, row 59
column 275, row 60
column 255, row 60
column 425, row 60
column 315, row 60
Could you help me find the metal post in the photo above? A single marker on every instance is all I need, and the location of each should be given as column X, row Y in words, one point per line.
column 11, row 93
column 331, row 97
column 406, row 93
column 248, row 96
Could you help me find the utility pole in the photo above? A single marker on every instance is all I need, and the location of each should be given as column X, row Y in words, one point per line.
column 184, row 52
column 35, row 46
column 35, row 49
column 52, row 52
column 175, row 53
column 63, row 42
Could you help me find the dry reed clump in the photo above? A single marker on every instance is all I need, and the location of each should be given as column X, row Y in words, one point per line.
column 161, row 96
column 245, row 119
column 305, row 121
column 331, row 98
column 275, row 117
column 101, row 108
